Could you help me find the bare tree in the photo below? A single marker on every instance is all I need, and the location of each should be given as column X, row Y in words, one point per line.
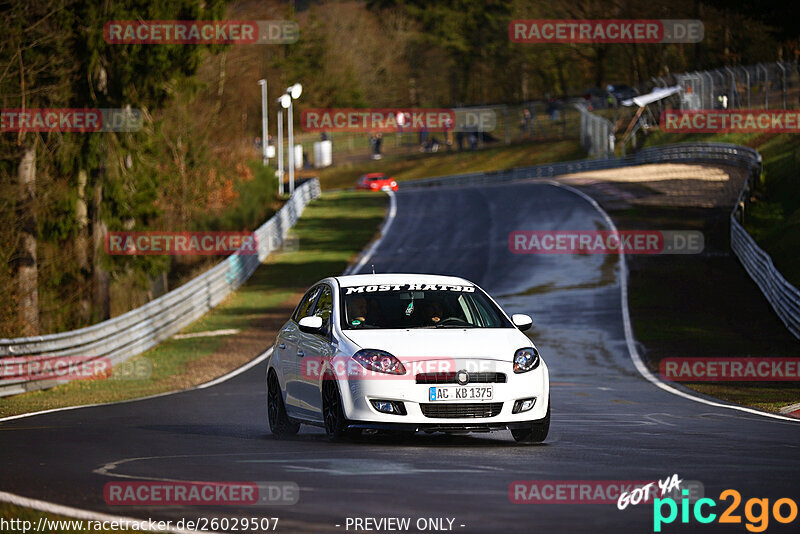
column 27, row 270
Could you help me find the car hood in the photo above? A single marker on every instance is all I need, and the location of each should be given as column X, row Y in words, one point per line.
column 433, row 343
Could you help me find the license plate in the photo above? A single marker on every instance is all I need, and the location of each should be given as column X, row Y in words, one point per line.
column 454, row 393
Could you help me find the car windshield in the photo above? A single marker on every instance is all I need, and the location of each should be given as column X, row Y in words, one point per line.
column 422, row 306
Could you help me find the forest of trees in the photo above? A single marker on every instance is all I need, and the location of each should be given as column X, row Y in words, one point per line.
column 187, row 168
column 60, row 192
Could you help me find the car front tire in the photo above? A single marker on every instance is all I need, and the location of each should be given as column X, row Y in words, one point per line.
column 279, row 423
column 536, row 432
column 333, row 412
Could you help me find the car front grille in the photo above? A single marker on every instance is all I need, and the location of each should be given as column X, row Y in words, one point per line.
column 456, row 410
column 450, row 378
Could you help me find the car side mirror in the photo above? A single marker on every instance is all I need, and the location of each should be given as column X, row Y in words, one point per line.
column 522, row 321
column 311, row 324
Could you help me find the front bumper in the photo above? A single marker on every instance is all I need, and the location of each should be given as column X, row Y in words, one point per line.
column 434, row 427
column 357, row 394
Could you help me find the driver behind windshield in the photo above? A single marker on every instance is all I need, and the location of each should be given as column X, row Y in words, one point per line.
column 434, row 312
column 357, row 310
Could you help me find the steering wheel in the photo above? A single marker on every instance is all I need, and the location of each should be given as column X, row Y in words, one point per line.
column 453, row 320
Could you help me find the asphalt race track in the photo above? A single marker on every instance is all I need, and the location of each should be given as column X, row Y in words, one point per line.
column 608, row 422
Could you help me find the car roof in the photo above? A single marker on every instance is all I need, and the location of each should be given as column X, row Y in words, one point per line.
column 399, row 278
column 375, row 175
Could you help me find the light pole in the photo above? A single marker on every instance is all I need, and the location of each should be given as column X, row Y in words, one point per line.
column 283, row 102
column 264, row 121
column 293, row 92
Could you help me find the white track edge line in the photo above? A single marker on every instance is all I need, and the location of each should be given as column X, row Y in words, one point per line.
column 59, row 509
column 86, row 515
column 387, row 223
column 255, row 361
column 629, row 339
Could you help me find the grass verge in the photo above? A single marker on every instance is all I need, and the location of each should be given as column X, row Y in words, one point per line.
column 704, row 305
column 423, row 165
column 332, row 230
column 773, row 217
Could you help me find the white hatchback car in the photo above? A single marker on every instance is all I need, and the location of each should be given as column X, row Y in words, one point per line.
column 406, row 352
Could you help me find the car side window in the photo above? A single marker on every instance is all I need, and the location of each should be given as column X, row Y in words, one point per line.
column 485, row 318
column 466, row 310
column 304, row 309
column 324, row 306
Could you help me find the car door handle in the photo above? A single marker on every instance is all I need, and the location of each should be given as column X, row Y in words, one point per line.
column 300, row 353
column 282, row 346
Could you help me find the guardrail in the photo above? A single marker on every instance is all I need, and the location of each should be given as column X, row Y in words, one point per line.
column 597, row 133
column 136, row 331
column 782, row 296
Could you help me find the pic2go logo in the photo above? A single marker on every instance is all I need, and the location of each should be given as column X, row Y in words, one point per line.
column 757, row 521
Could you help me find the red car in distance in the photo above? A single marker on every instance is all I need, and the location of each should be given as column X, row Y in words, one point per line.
column 376, row 181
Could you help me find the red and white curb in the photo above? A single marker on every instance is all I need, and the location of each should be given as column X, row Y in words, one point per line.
column 793, row 410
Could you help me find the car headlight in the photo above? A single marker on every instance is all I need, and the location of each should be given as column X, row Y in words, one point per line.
column 380, row 361
column 526, row 360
